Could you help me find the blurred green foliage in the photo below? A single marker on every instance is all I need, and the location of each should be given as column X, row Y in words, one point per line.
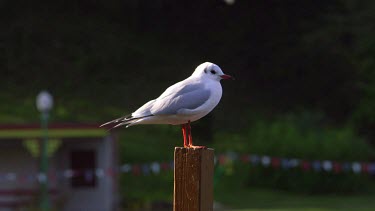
column 156, row 142
column 305, row 136
column 318, row 56
column 140, row 191
column 97, row 57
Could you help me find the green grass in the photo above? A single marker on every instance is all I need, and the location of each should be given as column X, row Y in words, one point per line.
column 232, row 192
column 258, row 199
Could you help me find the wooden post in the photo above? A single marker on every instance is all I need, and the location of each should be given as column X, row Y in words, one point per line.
column 193, row 179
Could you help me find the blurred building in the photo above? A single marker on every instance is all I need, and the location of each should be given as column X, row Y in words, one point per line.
column 82, row 164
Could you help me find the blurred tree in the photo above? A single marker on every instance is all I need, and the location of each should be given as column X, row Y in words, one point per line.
column 288, row 54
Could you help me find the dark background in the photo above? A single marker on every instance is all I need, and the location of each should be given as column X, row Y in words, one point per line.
column 304, row 69
column 286, row 55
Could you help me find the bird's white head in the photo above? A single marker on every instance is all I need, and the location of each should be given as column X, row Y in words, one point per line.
column 211, row 71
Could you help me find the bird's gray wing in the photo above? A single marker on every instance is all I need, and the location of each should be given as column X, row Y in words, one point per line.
column 173, row 91
column 185, row 86
column 187, row 97
column 144, row 110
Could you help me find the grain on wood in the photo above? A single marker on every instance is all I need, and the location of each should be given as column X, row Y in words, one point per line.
column 193, row 179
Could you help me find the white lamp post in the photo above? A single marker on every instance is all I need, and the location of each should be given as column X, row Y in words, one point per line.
column 44, row 103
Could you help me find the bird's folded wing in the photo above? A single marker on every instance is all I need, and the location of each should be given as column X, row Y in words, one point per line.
column 144, row 110
column 182, row 87
column 188, row 97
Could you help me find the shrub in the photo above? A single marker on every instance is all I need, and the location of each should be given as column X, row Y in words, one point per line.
column 305, row 136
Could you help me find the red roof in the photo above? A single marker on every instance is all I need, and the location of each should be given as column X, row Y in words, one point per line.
column 57, row 130
column 51, row 126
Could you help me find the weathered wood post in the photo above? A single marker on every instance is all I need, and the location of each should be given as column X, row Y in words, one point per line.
column 193, row 179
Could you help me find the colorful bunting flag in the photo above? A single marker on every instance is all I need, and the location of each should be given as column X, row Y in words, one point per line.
column 226, row 160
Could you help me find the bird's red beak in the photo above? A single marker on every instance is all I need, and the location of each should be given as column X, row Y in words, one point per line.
column 225, row 77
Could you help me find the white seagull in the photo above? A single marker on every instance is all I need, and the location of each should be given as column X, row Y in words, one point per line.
column 182, row 103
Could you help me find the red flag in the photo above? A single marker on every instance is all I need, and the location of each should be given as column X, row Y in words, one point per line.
column 336, row 167
column 275, row 162
column 222, row 159
column 306, row 166
column 365, row 167
column 110, row 172
column 136, row 169
column 245, row 158
column 164, row 166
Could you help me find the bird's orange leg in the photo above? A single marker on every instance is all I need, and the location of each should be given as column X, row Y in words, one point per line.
column 183, row 127
column 189, row 134
column 191, row 137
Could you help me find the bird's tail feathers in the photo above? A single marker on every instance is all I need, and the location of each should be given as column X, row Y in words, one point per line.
column 121, row 119
column 126, row 120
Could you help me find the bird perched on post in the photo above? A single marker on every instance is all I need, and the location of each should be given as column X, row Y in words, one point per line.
column 182, row 103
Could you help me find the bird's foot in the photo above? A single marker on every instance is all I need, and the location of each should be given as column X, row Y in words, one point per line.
column 197, row 147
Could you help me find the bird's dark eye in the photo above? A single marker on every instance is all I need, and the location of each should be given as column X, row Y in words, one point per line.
column 213, row 71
